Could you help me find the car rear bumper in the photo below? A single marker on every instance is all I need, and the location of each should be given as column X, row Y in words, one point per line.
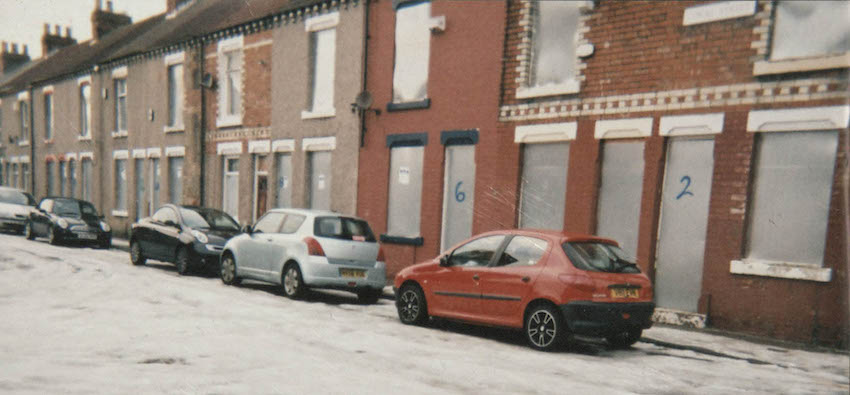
column 318, row 273
column 14, row 224
column 604, row 319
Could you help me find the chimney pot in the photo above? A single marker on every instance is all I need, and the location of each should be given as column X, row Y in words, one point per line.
column 5, row 47
column 14, row 48
column 109, row 5
column 46, row 28
column 26, row 50
column 98, row 4
column 68, row 32
column 57, row 29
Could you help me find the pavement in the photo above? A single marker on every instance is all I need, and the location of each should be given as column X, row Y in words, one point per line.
column 713, row 342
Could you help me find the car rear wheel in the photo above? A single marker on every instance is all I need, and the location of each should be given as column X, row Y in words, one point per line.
column 625, row 339
column 544, row 329
column 411, row 305
column 228, row 270
column 368, row 296
column 52, row 237
column 293, row 283
column 136, row 256
column 183, row 261
column 28, row 231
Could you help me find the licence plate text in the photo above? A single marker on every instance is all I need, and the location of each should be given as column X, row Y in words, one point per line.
column 87, row 236
column 352, row 273
column 625, row 292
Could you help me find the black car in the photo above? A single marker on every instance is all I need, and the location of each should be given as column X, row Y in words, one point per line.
column 64, row 219
column 15, row 208
column 190, row 237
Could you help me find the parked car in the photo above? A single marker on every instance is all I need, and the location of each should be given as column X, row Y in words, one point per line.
column 15, row 208
column 303, row 249
column 190, row 237
column 63, row 219
column 550, row 284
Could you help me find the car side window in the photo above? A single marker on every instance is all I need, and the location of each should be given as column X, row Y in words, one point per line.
column 523, row 251
column 46, row 205
column 291, row 223
column 164, row 215
column 477, row 252
column 269, row 223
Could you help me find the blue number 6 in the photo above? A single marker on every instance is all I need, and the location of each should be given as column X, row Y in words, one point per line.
column 459, row 196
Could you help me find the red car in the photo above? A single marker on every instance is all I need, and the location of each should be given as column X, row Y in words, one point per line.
column 550, row 284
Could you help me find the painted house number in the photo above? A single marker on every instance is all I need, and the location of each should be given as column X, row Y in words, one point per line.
column 687, row 181
column 459, row 195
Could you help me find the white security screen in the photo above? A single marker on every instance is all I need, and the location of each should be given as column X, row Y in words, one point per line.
column 618, row 214
column 810, row 28
column 412, row 51
column 405, row 195
column 543, row 186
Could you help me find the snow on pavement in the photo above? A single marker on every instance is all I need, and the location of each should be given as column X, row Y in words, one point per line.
column 81, row 321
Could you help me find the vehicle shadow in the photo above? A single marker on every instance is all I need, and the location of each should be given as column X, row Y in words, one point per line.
column 328, row 297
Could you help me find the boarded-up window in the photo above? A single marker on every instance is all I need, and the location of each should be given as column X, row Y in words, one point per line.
column 322, row 49
column 284, row 181
column 810, row 28
column 791, row 195
column 405, row 195
column 120, row 185
column 618, row 214
column 85, row 110
column 120, row 105
column 175, row 179
column 319, row 183
column 175, row 95
column 543, row 185
column 554, row 38
column 412, row 51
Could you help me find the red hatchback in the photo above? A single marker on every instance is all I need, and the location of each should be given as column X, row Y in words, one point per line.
column 551, row 284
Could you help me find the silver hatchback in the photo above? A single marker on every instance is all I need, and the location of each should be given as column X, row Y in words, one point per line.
column 303, row 249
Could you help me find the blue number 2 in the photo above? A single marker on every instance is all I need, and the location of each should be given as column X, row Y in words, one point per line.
column 459, row 196
column 687, row 181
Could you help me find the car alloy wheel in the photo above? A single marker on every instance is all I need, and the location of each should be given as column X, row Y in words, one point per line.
column 52, row 238
column 228, row 270
column 28, row 231
column 182, row 261
column 136, row 256
column 543, row 328
column 411, row 306
column 293, row 284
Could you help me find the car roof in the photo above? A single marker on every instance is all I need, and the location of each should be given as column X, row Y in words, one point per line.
column 312, row 212
column 556, row 235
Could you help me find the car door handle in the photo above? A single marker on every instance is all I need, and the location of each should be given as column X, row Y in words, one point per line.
column 475, row 277
column 526, row 279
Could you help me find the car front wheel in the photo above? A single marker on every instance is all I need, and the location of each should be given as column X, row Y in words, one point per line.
column 52, row 237
column 544, row 329
column 136, row 256
column 293, row 284
column 411, row 305
column 183, row 261
column 228, row 270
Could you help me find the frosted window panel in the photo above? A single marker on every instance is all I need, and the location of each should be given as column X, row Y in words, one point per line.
column 811, row 28
column 121, row 104
column 85, row 111
column 323, row 46
column 618, row 214
column 791, row 196
column 175, row 180
column 121, row 184
column 233, row 61
column 175, row 95
column 412, row 51
column 405, row 191
column 554, row 59
column 544, row 185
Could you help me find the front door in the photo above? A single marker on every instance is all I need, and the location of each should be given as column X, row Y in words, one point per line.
column 261, row 186
column 684, row 217
column 320, row 180
column 154, row 179
column 139, row 173
column 456, row 288
column 458, row 193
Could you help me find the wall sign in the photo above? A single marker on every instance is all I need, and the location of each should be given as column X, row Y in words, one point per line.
column 718, row 11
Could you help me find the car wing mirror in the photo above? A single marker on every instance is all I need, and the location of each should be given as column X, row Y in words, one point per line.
column 247, row 229
column 444, row 260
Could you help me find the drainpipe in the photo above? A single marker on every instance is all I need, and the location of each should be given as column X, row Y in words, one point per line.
column 32, row 139
column 362, row 113
column 203, row 124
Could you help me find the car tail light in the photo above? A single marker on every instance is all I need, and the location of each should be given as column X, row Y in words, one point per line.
column 381, row 257
column 313, row 247
column 582, row 283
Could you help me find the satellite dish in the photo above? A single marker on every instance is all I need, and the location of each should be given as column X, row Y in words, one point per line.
column 363, row 100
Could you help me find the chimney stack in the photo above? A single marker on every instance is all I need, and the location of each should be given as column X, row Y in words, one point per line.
column 11, row 60
column 103, row 22
column 52, row 42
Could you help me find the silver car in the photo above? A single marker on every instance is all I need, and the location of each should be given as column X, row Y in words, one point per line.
column 303, row 249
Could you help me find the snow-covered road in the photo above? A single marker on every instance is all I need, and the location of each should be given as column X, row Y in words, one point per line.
column 80, row 320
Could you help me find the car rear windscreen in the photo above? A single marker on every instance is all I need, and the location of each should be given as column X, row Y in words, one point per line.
column 599, row 257
column 343, row 228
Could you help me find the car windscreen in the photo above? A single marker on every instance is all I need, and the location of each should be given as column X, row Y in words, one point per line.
column 16, row 197
column 207, row 218
column 343, row 228
column 87, row 209
column 599, row 257
column 67, row 208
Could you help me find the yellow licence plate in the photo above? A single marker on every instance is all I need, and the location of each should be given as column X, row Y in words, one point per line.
column 352, row 273
column 625, row 292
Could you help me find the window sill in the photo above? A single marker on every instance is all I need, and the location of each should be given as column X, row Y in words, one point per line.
column 569, row 87
column 120, row 133
column 120, row 213
column 24, row 143
column 411, row 105
column 228, row 122
column 83, row 138
column 328, row 113
column 793, row 271
column 768, row 67
column 413, row 241
column 174, row 129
